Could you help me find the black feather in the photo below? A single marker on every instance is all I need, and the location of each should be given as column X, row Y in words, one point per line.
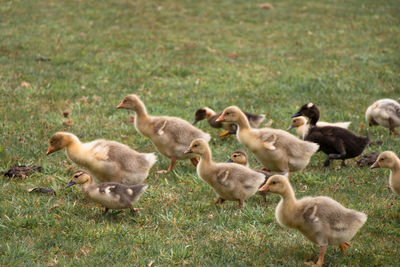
column 336, row 142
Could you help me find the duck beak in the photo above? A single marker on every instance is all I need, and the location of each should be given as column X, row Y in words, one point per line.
column 220, row 118
column 375, row 165
column 195, row 121
column 121, row 105
column 290, row 127
column 229, row 160
column 264, row 188
column 187, row 151
column 297, row 114
column 49, row 151
column 70, row 183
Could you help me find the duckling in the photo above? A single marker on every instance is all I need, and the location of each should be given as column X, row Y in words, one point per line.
column 108, row 161
column 240, row 157
column 110, row 195
column 321, row 219
column 211, row 116
column 277, row 150
column 336, row 142
column 230, row 181
column 389, row 159
column 170, row 135
column 302, row 127
column 384, row 112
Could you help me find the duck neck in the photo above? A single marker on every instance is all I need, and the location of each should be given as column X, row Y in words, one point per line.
column 209, row 113
column 141, row 111
column 74, row 145
column 243, row 122
column 142, row 120
column 396, row 166
column 86, row 186
column 289, row 198
column 315, row 117
column 206, row 157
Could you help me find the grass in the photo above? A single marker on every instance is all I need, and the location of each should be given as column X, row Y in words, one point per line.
column 179, row 56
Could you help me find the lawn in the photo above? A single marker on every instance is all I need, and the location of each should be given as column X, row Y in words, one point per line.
column 179, row 56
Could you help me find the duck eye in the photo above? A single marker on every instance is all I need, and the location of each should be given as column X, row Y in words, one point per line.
column 234, row 156
column 227, row 113
column 382, row 159
column 196, row 145
column 273, row 182
column 76, row 176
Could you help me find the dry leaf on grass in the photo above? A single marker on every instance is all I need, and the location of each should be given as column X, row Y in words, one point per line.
column 66, row 112
column 83, row 99
column 233, row 55
column 67, row 123
column 43, row 190
column 131, row 118
column 96, row 98
column 21, row 171
column 25, row 84
column 266, row 6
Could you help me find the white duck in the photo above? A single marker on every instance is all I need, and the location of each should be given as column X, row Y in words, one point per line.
column 384, row 112
column 108, row 161
column 277, row 150
column 321, row 219
column 170, row 135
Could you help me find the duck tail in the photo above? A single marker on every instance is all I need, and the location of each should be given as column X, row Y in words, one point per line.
column 151, row 158
column 255, row 120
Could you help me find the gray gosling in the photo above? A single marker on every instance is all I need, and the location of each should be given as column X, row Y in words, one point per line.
column 110, row 195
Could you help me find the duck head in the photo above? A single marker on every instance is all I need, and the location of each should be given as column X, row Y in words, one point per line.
column 239, row 157
column 198, row 146
column 199, row 115
column 230, row 114
column 276, row 184
column 386, row 159
column 59, row 141
column 309, row 110
column 79, row 177
column 297, row 122
column 131, row 102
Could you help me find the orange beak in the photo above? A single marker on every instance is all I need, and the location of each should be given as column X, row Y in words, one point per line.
column 220, row 118
column 264, row 188
column 49, row 151
column 375, row 165
column 120, row 105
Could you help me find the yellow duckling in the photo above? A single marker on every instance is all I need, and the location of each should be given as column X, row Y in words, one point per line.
column 110, row 195
column 277, row 150
column 321, row 219
column 389, row 159
column 230, row 181
column 170, row 135
column 108, row 161
column 240, row 157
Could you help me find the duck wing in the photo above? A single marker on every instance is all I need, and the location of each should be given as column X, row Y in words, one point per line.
column 179, row 131
column 326, row 211
column 390, row 109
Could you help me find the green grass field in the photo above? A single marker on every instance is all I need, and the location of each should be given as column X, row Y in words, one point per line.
column 179, row 56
